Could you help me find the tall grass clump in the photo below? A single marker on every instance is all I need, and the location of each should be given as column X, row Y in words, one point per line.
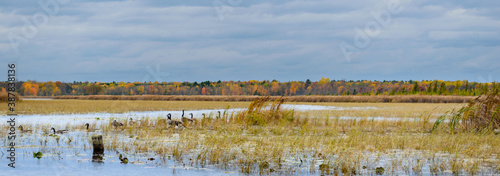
column 259, row 113
column 482, row 113
column 455, row 119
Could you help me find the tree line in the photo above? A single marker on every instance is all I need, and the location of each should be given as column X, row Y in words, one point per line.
column 324, row 86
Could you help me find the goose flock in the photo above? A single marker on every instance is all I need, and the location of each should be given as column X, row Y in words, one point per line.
column 177, row 124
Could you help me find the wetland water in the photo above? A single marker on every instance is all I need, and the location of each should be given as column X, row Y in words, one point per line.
column 59, row 120
column 71, row 153
column 66, row 158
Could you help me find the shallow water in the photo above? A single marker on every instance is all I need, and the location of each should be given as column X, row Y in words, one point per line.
column 63, row 158
column 74, row 158
column 70, row 164
column 59, row 120
column 66, row 159
column 103, row 118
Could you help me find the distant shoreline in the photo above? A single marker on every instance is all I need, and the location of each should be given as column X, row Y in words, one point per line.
column 313, row 98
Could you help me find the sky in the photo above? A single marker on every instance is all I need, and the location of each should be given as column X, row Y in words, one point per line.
column 286, row 40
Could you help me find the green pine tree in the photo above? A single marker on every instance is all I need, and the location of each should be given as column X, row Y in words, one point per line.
column 416, row 88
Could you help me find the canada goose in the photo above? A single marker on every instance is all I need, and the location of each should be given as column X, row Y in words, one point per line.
column 173, row 122
column 203, row 115
column 132, row 122
column 185, row 119
column 116, row 124
column 169, row 119
column 178, row 123
column 219, row 114
column 24, row 131
column 192, row 119
column 58, row 131
column 90, row 129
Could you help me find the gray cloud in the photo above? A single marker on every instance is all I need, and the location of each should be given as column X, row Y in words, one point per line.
column 284, row 40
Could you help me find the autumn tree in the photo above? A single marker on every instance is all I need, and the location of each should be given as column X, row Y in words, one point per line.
column 204, row 91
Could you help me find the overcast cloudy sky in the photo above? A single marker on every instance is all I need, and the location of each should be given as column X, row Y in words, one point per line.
column 194, row 40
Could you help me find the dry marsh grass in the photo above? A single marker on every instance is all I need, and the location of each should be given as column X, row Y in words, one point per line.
column 274, row 144
column 259, row 112
column 110, row 106
column 480, row 115
column 399, row 110
column 311, row 146
column 346, row 147
column 314, row 98
column 271, row 140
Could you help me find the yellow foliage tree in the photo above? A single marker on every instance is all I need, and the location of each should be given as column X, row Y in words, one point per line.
column 341, row 90
column 324, row 81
